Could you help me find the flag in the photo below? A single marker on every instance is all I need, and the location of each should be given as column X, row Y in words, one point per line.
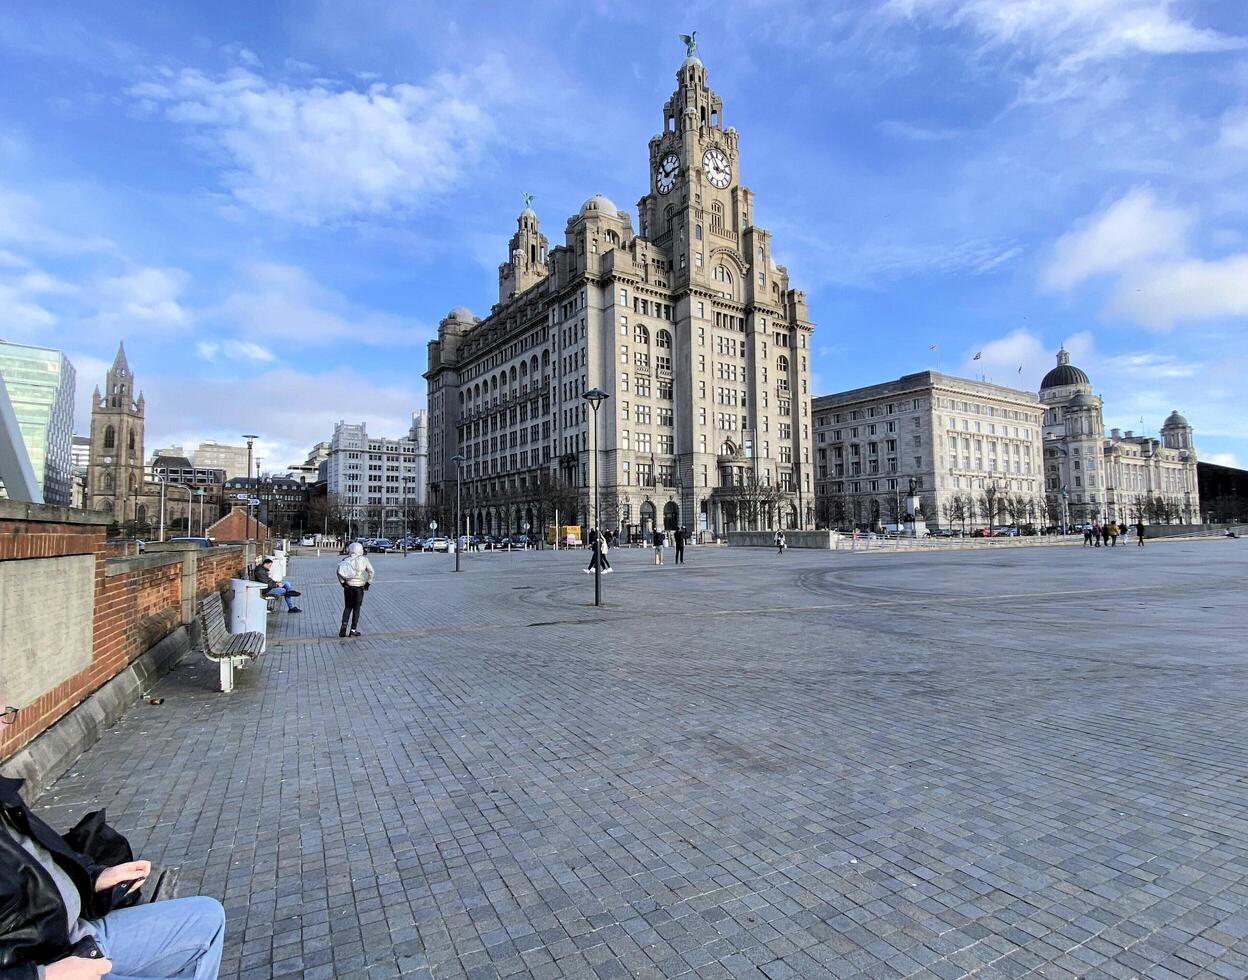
column 1020, row 369
column 932, row 347
column 978, row 355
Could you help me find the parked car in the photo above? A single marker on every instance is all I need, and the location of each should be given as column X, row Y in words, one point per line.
column 439, row 544
column 381, row 545
column 199, row 542
column 488, row 542
column 983, row 532
column 945, row 532
column 1006, row 531
column 307, row 541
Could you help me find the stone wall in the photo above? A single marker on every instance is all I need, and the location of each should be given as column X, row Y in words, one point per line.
column 75, row 612
column 819, row 540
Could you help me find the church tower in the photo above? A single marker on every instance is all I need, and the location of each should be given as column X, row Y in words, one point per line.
column 115, row 467
column 526, row 264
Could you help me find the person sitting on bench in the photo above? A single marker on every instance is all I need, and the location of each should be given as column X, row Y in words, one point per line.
column 61, row 921
column 263, row 573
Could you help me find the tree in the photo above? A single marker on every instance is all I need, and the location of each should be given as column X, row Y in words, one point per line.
column 755, row 500
column 990, row 504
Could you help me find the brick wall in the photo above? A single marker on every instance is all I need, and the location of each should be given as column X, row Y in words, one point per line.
column 138, row 600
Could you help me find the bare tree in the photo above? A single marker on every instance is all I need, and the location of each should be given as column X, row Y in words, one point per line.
column 754, row 499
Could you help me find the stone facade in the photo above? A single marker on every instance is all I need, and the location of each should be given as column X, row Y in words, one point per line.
column 972, row 448
column 695, row 334
column 377, row 481
column 1124, row 477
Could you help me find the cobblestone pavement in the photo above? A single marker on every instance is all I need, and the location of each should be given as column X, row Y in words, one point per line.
column 989, row 764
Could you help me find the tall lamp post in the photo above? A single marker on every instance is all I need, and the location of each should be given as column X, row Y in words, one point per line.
column 200, row 494
column 250, row 440
column 595, row 397
column 458, row 460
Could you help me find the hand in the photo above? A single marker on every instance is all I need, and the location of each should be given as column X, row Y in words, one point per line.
column 366, row 585
column 77, row 968
column 136, row 871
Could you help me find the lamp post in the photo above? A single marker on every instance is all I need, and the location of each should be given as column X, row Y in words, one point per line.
column 200, row 494
column 458, row 460
column 250, row 440
column 595, row 397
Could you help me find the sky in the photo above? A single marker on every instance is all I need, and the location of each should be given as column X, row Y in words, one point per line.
column 275, row 204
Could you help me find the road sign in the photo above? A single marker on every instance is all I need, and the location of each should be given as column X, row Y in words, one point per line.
column 243, row 496
column 254, row 501
column 433, row 525
column 526, row 525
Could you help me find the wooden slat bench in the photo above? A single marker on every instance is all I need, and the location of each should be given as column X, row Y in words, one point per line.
column 230, row 650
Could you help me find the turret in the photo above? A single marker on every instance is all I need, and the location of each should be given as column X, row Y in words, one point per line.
column 526, row 256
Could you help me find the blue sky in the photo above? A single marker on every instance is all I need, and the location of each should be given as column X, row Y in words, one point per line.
column 274, row 204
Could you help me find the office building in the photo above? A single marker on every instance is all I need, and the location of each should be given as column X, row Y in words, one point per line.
column 40, row 384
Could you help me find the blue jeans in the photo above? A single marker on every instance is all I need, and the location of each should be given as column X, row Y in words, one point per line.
column 281, row 590
column 181, row 937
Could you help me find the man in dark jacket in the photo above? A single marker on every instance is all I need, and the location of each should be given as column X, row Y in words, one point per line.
column 678, row 537
column 56, row 903
column 263, row 573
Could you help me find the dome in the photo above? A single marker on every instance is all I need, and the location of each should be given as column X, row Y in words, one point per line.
column 461, row 313
column 529, row 213
column 1064, row 374
column 600, row 203
column 693, row 59
column 1173, row 419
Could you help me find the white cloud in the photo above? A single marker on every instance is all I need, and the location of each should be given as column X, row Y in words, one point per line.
column 24, row 224
column 233, row 350
column 325, row 152
column 1144, row 246
column 142, row 299
column 280, row 304
column 1192, row 289
column 898, row 129
column 1132, row 228
column 1002, row 357
column 1222, row 459
column 1234, row 130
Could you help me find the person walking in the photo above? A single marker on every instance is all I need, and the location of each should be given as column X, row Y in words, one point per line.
column 1113, row 534
column 598, row 548
column 780, row 542
column 355, row 574
column 1139, row 534
column 1087, row 536
column 678, row 537
column 658, row 546
column 1096, row 535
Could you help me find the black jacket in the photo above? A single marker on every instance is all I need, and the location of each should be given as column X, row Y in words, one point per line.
column 34, row 924
column 261, row 574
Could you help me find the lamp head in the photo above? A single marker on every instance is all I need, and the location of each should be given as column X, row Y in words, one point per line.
column 595, row 397
column 457, row 459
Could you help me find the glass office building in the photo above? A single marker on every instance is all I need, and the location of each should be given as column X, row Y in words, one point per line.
column 40, row 383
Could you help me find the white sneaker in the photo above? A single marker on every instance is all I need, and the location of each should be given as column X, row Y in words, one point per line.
column 607, row 571
column 589, row 571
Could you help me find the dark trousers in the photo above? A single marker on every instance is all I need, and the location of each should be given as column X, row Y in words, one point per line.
column 352, row 601
column 680, row 553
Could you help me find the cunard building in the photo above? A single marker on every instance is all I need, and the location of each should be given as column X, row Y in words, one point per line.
column 685, row 321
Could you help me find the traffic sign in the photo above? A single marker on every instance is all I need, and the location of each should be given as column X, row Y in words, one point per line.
column 243, row 496
column 526, row 525
column 433, row 525
column 254, row 501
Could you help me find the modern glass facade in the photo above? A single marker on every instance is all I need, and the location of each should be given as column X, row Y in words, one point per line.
column 41, row 387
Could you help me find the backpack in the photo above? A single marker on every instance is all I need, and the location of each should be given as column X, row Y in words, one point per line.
column 346, row 569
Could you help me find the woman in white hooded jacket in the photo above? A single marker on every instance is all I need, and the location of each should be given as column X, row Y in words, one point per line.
column 355, row 572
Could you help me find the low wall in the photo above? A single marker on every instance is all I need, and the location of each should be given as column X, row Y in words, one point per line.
column 819, row 540
column 74, row 615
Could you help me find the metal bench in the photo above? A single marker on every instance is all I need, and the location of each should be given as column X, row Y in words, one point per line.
column 230, row 650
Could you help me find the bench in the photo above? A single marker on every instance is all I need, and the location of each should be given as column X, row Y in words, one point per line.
column 230, row 650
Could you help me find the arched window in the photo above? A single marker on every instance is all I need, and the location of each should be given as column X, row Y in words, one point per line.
column 697, row 232
column 545, row 359
column 131, row 441
column 717, row 216
column 782, row 373
column 110, row 438
column 140, row 514
column 641, row 335
column 524, row 370
column 106, row 484
column 512, row 375
column 533, row 364
column 663, row 340
column 106, row 506
column 722, row 274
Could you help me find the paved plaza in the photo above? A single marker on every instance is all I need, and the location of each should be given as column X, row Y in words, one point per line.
column 997, row 763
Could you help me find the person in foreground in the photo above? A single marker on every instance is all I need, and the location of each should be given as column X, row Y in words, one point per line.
column 355, row 573
column 58, row 914
column 263, row 573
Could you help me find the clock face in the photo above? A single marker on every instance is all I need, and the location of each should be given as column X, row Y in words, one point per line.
column 715, row 163
column 666, row 173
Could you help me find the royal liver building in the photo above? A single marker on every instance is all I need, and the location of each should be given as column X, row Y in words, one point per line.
column 686, row 322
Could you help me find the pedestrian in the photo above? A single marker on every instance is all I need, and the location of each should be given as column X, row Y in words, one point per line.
column 355, row 574
column 1139, row 534
column 263, row 573
column 1096, row 535
column 61, row 917
column 1113, row 534
column 1087, row 536
column 780, row 542
column 658, row 546
column 678, row 536
column 599, row 548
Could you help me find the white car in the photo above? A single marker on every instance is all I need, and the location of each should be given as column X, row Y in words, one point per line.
column 307, row 541
column 439, row 544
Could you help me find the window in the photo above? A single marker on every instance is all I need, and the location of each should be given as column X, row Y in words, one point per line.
column 641, row 335
column 623, row 353
column 643, row 442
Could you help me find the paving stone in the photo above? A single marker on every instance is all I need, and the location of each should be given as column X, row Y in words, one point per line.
column 1006, row 762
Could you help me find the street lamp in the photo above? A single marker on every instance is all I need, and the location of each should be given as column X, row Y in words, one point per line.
column 200, row 494
column 595, row 397
column 458, row 460
column 250, row 439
